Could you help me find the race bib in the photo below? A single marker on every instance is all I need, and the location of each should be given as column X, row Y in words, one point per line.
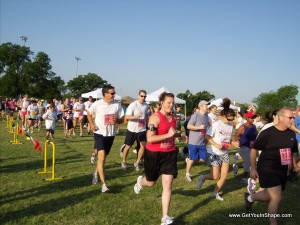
column 202, row 132
column 141, row 123
column 285, row 156
column 108, row 119
column 167, row 143
column 225, row 145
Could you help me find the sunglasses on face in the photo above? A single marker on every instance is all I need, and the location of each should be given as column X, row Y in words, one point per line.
column 112, row 93
column 230, row 119
column 143, row 96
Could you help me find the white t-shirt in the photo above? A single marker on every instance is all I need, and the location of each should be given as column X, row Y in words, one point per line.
column 221, row 134
column 87, row 105
column 134, row 109
column 212, row 117
column 78, row 109
column 103, row 113
column 32, row 111
column 60, row 107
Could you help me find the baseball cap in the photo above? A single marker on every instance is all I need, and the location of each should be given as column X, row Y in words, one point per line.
column 203, row 102
column 250, row 114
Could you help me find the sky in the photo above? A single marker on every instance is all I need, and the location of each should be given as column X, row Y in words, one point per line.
column 230, row 48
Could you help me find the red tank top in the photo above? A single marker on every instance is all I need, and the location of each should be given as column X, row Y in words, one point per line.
column 168, row 144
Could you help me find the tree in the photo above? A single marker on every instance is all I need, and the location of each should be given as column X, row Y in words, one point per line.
column 85, row 83
column 12, row 59
column 21, row 75
column 285, row 96
column 193, row 100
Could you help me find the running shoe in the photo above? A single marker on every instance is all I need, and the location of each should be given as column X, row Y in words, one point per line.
column 251, row 186
column 200, row 181
column 138, row 187
column 124, row 166
column 93, row 158
column 137, row 167
column 95, row 179
column 104, row 188
column 217, row 196
column 235, row 169
column 166, row 220
column 188, row 177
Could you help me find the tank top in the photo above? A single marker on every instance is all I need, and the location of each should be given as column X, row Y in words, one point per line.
column 248, row 136
column 168, row 144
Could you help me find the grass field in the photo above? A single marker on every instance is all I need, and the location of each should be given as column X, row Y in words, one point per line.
column 26, row 198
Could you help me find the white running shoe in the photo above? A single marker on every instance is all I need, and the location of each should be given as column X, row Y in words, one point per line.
column 93, row 158
column 166, row 220
column 138, row 187
column 95, row 179
column 251, row 186
column 217, row 196
column 188, row 177
column 124, row 166
column 134, row 151
column 104, row 188
column 137, row 167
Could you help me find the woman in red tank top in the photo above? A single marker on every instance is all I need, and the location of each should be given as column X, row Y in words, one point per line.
column 160, row 156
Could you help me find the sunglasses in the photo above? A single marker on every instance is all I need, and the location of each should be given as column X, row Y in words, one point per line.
column 143, row 96
column 112, row 93
column 230, row 119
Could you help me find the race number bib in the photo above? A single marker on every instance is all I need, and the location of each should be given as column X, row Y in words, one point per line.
column 167, row 143
column 225, row 145
column 141, row 123
column 285, row 156
column 108, row 118
column 202, row 132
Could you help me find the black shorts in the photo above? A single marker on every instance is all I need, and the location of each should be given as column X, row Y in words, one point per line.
column 103, row 143
column 131, row 137
column 272, row 179
column 85, row 119
column 158, row 163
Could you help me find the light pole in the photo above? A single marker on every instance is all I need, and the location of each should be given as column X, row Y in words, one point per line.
column 77, row 59
column 24, row 38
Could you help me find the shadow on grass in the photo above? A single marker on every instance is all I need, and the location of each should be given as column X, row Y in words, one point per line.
column 49, row 188
column 48, row 206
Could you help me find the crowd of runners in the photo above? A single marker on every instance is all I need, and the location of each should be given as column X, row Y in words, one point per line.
column 268, row 145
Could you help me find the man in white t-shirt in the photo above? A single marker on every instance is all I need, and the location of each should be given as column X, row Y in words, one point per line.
column 136, row 114
column 107, row 113
column 87, row 105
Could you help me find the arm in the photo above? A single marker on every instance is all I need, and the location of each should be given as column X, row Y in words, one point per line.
column 212, row 142
column 91, row 121
column 152, row 132
column 294, row 128
column 253, row 171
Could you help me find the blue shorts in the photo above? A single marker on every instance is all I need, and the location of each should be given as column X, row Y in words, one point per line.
column 197, row 152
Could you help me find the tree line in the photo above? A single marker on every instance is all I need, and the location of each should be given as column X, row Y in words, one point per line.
column 22, row 72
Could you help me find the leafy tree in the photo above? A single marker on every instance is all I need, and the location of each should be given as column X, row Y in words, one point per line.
column 22, row 75
column 84, row 83
column 193, row 100
column 285, row 96
column 12, row 59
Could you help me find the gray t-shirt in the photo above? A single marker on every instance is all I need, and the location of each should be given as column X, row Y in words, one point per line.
column 197, row 137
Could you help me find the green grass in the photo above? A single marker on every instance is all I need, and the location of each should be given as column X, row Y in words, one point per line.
column 26, row 198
